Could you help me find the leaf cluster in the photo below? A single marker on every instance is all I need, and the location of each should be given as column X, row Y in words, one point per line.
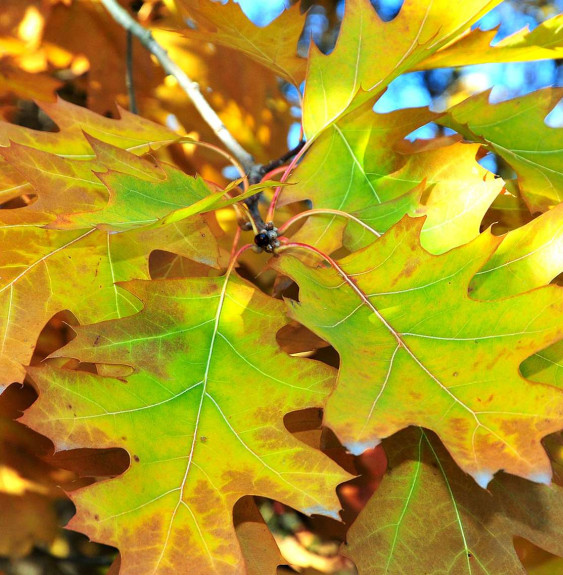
column 395, row 364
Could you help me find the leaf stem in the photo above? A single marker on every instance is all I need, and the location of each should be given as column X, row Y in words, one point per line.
column 123, row 18
column 285, row 176
column 234, row 257
column 229, row 157
column 322, row 211
column 235, row 245
column 257, row 175
column 269, row 175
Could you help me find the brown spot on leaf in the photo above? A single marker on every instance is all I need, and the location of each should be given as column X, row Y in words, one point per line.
column 97, row 340
column 136, row 458
column 460, row 426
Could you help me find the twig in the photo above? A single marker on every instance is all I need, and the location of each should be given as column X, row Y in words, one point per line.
column 254, row 171
column 259, row 171
column 124, row 19
column 256, row 176
column 129, row 75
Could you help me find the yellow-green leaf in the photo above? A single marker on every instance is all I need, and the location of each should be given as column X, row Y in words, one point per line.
column 46, row 271
column 542, row 43
column 528, row 257
column 516, row 131
column 472, row 530
column 362, row 165
column 131, row 132
column 370, row 53
column 201, row 417
column 416, row 349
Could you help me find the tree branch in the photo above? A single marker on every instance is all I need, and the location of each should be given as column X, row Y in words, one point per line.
column 124, row 19
column 129, row 75
column 258, row 172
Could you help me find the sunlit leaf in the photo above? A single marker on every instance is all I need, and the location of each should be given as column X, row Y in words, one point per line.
column 273, row 46
column 528, row 257
column 370, row 53
column 516, row 131
column 363, row 166
column 133, row 133
column 543, row 42
column 212, row 386
column 416, row 349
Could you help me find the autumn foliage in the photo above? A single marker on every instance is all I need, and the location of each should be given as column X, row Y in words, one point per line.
column 390, row 367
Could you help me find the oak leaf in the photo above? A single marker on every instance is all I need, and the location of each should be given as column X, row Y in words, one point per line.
column 201, row 417
column 471, row 531
column 516, row 131
column 44, row 271
column 377, row 176
column 274, row 46
column 529, row 256
column 130, row 132
column 260, row 116
column 542, row 43
column 416, row 349
column 370, row 53
column 133, row 133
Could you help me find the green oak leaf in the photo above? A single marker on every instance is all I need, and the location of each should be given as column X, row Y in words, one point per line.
column 516, row 131
column 363, row 166
column 370, row 53
column 416, row 349
column 201, row 417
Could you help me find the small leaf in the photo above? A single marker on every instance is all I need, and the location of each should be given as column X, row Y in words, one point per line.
column 516, row 131
column 217, row 201
column 545, row 42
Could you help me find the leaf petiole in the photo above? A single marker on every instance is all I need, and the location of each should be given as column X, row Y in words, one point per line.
column 325, row 211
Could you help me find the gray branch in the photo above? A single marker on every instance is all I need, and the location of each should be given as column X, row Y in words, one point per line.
column 124, row 19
